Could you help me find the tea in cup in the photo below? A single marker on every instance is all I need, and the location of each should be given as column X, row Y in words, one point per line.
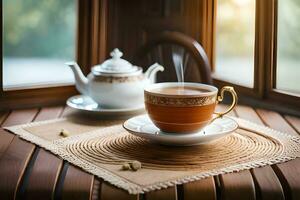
column 177, row 107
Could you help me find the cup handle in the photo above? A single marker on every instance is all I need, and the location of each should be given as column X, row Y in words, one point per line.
column 220, row 99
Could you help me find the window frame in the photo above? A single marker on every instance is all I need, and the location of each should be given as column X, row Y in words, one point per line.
column 90, row 49
column 263, row 94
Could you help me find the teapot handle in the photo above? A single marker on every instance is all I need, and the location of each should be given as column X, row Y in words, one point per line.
column 152, row 70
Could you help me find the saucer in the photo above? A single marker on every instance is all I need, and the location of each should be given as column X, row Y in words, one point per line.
column 143, row 127
column 87, row 105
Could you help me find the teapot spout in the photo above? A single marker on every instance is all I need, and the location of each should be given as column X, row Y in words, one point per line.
column 152, row 70
column 81, row 81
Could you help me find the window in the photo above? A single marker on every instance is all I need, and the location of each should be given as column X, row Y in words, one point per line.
column 257, row 49
column 288, row 46
column 42, row 36
column 235, row 35
column 38, row 38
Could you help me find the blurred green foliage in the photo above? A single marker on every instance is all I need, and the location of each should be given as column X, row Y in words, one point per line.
column 235, row 38
column 288, row 53
column 236, row 28
column 39, row 28
column 289, row 29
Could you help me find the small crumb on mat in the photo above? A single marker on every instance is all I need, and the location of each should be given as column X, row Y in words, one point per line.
column 134, row 165
column 64, row 133
column 125, row 166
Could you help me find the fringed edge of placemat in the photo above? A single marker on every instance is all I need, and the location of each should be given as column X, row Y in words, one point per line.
column 57, row 148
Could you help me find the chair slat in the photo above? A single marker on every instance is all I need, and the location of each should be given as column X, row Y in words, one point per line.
column 200, row 70
column 169, row 73
column 160, row 58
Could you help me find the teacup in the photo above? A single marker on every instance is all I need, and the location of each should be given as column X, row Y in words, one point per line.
column 176, row 107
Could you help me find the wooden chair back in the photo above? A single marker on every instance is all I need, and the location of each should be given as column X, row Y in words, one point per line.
column 176, row 50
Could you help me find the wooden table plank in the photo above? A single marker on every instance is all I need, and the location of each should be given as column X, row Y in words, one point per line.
column 164, row 194
column 275, row 121
column 17, row 117
column 96, row 188
column 268, row 185
column 47, row 113
column 293, row 178
column 17, row 155
column 46, row 168
column 109, row 191
column 6, row 139
column 12, row 119
column 77, row 184
column 3, row 116
column 68, row 111
column 12, row 167
column 204, row 188
column 289, row 172
column 294, row 122
column 43, row 177
column 248, row 113
column 236, row 185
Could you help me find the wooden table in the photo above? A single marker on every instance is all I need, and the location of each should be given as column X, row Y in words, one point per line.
column 37, row 174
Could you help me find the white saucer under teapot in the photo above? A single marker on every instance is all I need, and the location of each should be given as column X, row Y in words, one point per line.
column 115, row 83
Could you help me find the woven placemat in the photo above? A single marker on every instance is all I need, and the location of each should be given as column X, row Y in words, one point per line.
column 105, row 146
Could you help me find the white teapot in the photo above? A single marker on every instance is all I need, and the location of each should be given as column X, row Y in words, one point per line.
column 115, row 83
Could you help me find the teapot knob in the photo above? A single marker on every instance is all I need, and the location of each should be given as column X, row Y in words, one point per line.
column 116, row 54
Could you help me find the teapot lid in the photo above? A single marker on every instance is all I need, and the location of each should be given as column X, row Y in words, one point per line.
column 115, row 65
